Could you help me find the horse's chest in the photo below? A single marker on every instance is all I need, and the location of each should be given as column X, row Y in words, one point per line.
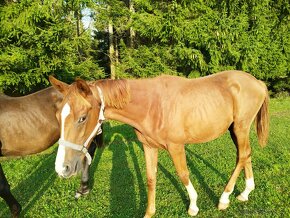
column 152, row 138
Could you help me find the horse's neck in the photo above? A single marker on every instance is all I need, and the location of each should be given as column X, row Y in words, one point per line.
column 136, row 109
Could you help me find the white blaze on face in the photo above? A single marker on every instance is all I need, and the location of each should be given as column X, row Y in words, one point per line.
column 59, row 168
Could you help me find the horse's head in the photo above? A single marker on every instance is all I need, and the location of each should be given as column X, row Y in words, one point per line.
column 80, row 115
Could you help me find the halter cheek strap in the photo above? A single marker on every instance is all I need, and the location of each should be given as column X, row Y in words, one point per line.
column 96, row 131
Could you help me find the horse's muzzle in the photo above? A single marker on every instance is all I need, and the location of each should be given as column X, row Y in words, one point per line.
column 65, row 171
column 68, row 170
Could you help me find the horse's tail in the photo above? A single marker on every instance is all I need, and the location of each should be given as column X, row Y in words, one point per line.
column 262, row 121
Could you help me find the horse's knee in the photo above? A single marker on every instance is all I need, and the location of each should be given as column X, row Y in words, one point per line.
column 184, row 177
column 244, row 158
column 151, row 182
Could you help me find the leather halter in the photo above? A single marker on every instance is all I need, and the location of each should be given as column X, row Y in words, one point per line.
column 97, row 130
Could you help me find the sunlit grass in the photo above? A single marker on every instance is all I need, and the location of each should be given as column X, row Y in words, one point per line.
column 118, row 178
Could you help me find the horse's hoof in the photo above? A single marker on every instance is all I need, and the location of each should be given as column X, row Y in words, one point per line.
column 15, row 211
column 223, row 206
column 149, row 214
column 81, row 193
column 193, row 212
column 241, row 198
column 77, row 195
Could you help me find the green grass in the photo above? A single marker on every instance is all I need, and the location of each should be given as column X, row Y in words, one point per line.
column 118, row 178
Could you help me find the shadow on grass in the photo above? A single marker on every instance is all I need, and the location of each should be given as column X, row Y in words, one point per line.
column 208, row 164
column 94, row 165
column 39, row 180
column 199, row 176
column 124, row 202
column 141, row 184
column 177, row 184
column 32, row 187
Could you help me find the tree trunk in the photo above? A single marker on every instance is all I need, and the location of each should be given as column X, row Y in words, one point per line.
column 132, row 31
column 77, row 15
column 112, row 50
column 116, row 51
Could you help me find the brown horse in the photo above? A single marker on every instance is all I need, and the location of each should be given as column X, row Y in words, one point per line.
column 168, row 112
column 28, row 125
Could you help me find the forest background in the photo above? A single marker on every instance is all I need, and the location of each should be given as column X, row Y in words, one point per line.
column 95, row 39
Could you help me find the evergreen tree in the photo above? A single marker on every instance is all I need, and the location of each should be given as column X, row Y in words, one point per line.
column 39, row 38
column 196, row 38
column 143, row 38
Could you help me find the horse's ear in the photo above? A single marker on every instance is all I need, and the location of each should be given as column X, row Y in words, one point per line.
column 58, row 85
column 83, row 87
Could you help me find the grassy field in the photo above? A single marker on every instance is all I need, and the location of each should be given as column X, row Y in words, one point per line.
column 118, row 178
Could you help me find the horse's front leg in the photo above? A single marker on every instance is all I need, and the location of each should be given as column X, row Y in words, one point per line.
column 151, row 158
column 177, row 153
column 84, row 188
column 6, row 194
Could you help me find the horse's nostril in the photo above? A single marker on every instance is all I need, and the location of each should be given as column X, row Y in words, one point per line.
column 66, row 169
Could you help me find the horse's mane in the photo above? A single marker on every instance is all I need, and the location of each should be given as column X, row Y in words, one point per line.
column 116, row 92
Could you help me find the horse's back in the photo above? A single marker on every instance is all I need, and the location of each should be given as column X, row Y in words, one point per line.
column 242, row 86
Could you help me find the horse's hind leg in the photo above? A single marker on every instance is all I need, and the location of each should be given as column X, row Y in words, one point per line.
column 249, row 176
column 240, row 135
column 6, row 194
column 177, row 153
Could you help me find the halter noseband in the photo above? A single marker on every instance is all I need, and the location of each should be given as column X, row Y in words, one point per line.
column 97, row 130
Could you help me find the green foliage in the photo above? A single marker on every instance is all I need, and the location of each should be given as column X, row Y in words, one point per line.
column 191, row 38
column 146, row 62
column 38, row 38
column 197, row 38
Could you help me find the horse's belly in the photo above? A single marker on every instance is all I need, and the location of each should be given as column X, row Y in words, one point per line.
column 207, row 130
column 206, row 134
column 18, row 141
column 203, row 126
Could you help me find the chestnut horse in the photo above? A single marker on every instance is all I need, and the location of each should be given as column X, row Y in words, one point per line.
column 168, row 112
column 28, row 125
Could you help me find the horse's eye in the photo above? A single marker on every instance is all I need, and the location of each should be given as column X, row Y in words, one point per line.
column 82, row 119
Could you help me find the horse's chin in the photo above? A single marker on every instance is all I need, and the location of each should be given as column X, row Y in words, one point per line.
column 68, row 175
column 65, row 176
